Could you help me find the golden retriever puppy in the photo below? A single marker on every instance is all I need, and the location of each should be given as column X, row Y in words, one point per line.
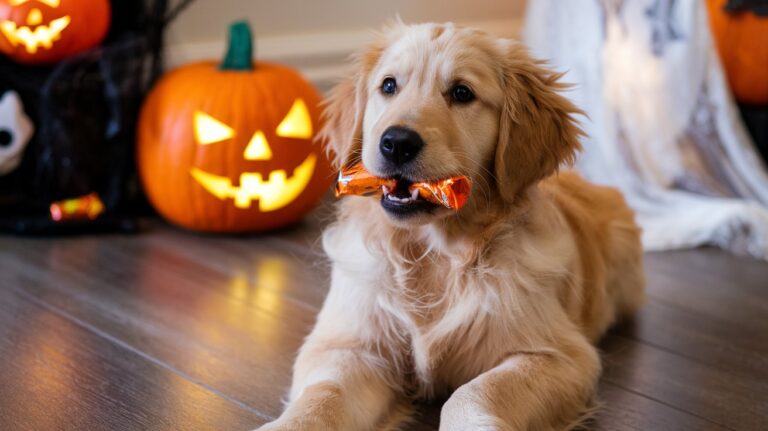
column 496, row 306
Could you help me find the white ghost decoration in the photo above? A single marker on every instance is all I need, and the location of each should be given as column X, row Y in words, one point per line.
column 15, row 132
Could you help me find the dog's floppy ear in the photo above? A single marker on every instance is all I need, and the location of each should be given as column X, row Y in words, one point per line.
column 537, row 130
column 342, row 131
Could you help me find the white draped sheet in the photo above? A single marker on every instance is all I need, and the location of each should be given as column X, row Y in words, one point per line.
column 662, row 124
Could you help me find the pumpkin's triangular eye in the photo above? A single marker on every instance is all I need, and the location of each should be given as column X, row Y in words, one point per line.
column 298, row 123
column 209, row 130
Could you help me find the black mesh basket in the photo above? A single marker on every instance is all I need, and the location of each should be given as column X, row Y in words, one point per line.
column 85, row 111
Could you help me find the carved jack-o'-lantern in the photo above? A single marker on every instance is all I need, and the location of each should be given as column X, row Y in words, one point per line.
column 229, row 148
column 46, row 31
column 740, row 30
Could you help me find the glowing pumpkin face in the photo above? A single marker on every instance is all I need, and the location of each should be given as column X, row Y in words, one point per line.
column 274, row 190
column 228, row 149
column 45, row 31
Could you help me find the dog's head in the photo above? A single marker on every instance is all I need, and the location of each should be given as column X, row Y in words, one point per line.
column 431, row 101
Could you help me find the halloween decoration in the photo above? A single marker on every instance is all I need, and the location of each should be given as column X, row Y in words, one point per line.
column 46, row 31
column 85, row 114
column 662, row 124
column 759, row 7
column 741, row 36
column 15, row 132
column 87, row 207
column 228, row 148
column 451, row 193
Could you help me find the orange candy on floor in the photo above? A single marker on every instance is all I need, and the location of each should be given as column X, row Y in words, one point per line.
column 451, row 192
column 88, row 207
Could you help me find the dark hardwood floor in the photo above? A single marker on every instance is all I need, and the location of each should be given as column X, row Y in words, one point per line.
column 169, row 330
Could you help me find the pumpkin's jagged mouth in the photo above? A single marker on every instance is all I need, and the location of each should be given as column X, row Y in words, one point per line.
column 43, row 35
column 273, row 194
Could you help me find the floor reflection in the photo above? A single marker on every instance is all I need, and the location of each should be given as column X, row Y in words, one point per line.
column 262, row 289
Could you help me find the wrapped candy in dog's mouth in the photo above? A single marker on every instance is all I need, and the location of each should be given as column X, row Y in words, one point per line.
column 451, row 193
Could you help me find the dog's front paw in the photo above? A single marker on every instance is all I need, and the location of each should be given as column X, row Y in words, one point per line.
column 272, row 426
column 464, row 411
column 279, row 425
column 294, row 424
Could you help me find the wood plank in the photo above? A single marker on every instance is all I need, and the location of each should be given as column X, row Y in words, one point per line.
column 624, row 410
column 702, row 338
column 719, row 396
column 56, row 374
column 729, row 289
column 232, row 330
column 225, row 254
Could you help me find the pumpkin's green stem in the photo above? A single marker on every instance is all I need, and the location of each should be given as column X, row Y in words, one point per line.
column 240, row 50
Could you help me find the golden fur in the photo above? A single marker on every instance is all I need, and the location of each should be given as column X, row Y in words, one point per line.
column 497, row 306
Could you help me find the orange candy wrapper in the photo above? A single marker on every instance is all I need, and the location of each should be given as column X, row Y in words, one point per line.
column 451, row 193
column 87, row 207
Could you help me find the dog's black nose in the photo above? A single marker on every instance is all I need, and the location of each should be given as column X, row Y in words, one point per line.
column 399, row 145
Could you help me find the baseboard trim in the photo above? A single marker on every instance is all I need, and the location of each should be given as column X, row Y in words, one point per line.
column 320, row 57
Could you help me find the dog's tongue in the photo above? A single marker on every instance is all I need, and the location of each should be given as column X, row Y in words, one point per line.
column 451, row 192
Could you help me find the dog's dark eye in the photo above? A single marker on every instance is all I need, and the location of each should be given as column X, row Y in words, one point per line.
column 462, row 94
column 389, row 86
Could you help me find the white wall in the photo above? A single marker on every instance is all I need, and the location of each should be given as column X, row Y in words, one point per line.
column 316, row 36
column 205, row 20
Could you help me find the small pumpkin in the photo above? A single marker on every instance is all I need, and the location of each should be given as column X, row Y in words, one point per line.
column 741, row 37
column 229, row 147
column 46, row 31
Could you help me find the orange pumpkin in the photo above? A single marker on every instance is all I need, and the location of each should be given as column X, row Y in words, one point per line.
column 46, row 31
column 742, row 42
column 229, row 148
